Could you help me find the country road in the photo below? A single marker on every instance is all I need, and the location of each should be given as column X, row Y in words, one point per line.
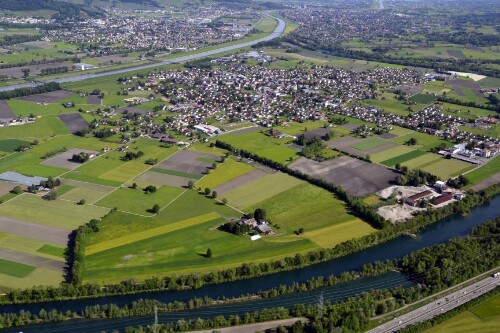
column 439, row 306
column 278, row 31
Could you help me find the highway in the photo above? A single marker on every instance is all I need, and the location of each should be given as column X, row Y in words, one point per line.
column 439, row 306
column 278, row 31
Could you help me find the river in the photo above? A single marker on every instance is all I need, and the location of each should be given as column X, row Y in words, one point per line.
column 278, row 31
column 436, row 233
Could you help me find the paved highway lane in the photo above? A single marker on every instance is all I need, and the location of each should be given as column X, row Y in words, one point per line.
column 442, row 305
column 275, row 34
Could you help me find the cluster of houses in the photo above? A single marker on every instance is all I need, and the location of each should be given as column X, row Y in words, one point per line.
column 261, row 95
column 16, row 121
column 262, row 228
column 123, row 30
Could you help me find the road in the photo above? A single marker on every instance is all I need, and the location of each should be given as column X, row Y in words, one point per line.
column 259, row 327
column 275, row 34
column 439, row 306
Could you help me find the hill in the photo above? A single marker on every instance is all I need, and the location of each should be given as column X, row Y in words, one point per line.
column 63, row 9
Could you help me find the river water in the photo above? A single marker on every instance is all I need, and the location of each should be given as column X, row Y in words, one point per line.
column 436, row 233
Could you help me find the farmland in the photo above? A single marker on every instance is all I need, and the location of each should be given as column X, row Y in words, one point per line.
column 136, row 201
column 262, row 144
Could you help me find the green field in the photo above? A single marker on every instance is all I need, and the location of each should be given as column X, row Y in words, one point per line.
column 39, row 277
column 175, row 173
column 28, row 162
column 110, row 170
column 31, row 246
column 446, row 169
column 56, row 213
column 10, row 145
column 404, row 158
column 87, row 191
column 314, row 209
column 42, row 127
column 391, row 153
column 224, row 172
column 294, row 128
column 262, row 145
column 136, row 201
column 424, row 141
column 484, row 318
column 15, row 269
column 422, row 161
column 260, row 189
column 423, row 98
column 369, row 143
column 139, row 236
column 485, row 171
column 52, row 250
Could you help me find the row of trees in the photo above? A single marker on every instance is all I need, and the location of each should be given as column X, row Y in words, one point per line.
column 48, row 87
column 54, row 70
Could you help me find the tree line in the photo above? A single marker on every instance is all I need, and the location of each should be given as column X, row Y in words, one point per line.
column 21, row 92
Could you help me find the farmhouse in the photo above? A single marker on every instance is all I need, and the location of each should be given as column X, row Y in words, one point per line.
column 416, row 198
column 442, row 199
column 263, row 229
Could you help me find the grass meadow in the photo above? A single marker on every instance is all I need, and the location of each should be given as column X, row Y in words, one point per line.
column 136, row 201
column 57, row 213
column 224, row 172
column 263, row 145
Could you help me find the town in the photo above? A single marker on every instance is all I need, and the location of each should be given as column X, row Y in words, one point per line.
column 263, row 166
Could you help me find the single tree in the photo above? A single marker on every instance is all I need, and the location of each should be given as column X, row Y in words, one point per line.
column 155, row 209
column 81, row 202
column 224, row 201
column 214, row 194
column 207, row 191
column 209, row 253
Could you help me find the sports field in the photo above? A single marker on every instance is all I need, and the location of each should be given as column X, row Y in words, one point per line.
column 484, row 318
